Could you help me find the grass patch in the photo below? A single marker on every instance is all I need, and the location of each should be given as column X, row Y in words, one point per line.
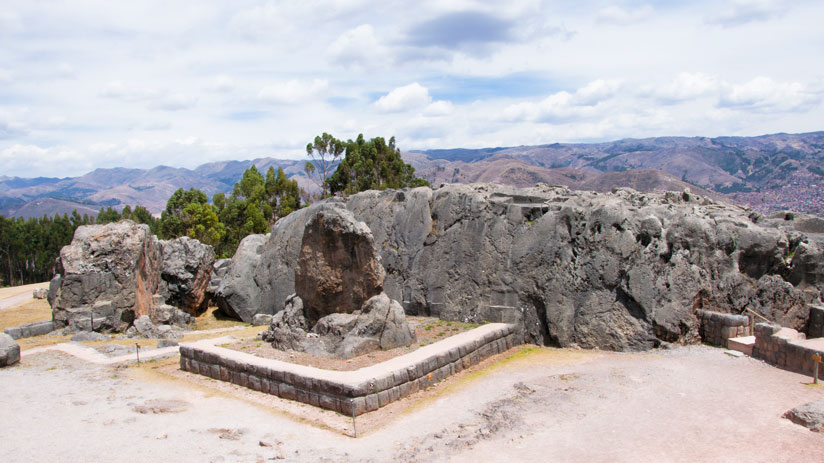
column 213, row 318
column 37, row 310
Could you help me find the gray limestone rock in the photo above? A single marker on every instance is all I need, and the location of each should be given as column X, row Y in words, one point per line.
column 379, row 324
column 262, row 319
column 809, row 415
column 89, row 336
column 619, row 271
column 109, row 274
column 338, row 266
column 239, row 294
column 143, row 327
column 9, row 351
column 185, row 272
column 219, row 269
column 40, row 293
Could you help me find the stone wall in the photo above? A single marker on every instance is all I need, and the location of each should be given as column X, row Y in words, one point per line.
column 716, row 328
column 352, row 392
column 30, row 329
column 785, row 348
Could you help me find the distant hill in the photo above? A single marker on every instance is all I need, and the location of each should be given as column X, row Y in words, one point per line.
column 116, row 187
column 769, row 172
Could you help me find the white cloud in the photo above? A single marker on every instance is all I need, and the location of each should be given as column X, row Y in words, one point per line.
column 223, row 84
column 173, row 102
column 439, row 108
column 404, row 98
column 765, row 94
column 564, row 106
column 5, row 76
column 740, row 12
column 623, row 16
column 686, row 86
column 357, row 47
column 292, row 92
column 65, row 71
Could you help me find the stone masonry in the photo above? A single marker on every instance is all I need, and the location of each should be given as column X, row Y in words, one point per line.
column 352, row 392
column 716, row 328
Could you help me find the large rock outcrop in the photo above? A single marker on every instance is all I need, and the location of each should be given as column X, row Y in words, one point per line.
column 340, row 309
column 109, row 274
column 238, row 293
column 621, row 271
column 338, row 267
column 185, row 273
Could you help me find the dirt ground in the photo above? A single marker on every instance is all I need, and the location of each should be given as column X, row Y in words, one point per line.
column 688, row 404
column 529, row 404
column 427, row 331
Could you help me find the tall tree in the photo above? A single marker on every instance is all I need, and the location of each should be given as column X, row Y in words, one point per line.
column 372, row 165
column 324, row 152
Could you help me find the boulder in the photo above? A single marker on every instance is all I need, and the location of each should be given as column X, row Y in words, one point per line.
column 40, row 293
column 219, row 269
column 379, row 324
column 338, row 267
column 9, row 351
column 619, row 271
column 89, row 336
column 809, row 415
column 238, row 295
column 185, row 273
column 109, row 273
column 144, row 328
column 262, row 319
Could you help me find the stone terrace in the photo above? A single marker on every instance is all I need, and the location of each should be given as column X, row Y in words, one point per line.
column 351, row 392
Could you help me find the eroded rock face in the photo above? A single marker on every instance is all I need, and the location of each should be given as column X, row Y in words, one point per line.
column 339, row 271
column 109, row 274
column 238, row 294
column 380, row 324
column 185, row 273
column 338, row 267
column 620, row 271
column 809, row 415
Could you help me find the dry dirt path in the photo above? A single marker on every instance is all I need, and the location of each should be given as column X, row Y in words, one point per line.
column 18, row 295
column 689, row 404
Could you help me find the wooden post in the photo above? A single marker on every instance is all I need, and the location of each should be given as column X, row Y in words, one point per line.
column 137, row 352
column 354, row 426
column 816, row 361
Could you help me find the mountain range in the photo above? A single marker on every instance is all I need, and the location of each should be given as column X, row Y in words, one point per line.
column 769, row 172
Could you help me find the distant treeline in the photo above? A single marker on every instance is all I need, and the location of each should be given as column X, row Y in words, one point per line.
column 29, row 247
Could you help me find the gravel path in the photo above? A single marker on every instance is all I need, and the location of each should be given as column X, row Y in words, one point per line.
column 689, row 404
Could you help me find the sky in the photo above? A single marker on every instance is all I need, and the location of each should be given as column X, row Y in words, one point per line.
column 89, row 84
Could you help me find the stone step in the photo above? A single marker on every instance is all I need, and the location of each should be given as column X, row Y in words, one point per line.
column 743, row 344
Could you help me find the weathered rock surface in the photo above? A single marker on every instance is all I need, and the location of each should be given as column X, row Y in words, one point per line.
column 9, row 351
column 621, row 271
column 239, row 294
column 40, row 293
column 809, row 415
column 339, row 271
column 338, row 267
column 381, row 324
column 219, row 269
column 144, row 328
column 109, row 273
column 185, row 273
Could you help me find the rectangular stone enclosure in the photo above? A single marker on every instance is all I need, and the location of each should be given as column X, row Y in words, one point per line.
column 352, row 392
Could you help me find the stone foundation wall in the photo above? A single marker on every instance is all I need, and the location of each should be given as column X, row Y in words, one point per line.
column 716, row 328
column 352, row 392
column 776, row 345
column 30, row 329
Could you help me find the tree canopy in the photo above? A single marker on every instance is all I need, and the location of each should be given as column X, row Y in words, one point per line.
column 372, row 165
column 324, row 152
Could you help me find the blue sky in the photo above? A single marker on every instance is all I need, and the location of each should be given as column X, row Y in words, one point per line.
column 88, row 84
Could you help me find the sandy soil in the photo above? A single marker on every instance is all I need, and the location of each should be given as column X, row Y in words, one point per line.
column 688, row 404
column 427, row 331
column 15, row 295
